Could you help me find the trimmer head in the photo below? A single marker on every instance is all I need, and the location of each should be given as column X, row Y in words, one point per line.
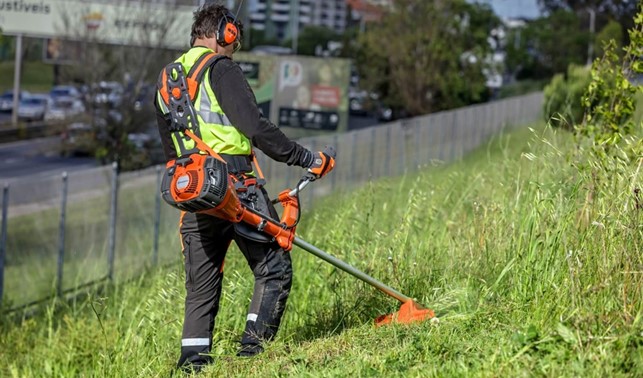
column 409, row 312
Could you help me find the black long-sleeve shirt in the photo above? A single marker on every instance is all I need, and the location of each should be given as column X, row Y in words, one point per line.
column 239, row 104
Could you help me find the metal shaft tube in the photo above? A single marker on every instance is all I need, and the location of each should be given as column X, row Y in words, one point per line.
column 350, row 270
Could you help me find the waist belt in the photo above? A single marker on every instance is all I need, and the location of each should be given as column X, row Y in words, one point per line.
column 238, row 163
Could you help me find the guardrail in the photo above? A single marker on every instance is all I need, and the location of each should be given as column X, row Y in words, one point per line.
column 25, row 131
column 62, row 233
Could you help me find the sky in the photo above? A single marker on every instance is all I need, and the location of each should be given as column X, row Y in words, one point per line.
column 514, row 8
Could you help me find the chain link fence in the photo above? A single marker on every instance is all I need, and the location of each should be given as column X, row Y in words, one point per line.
column 62, row 233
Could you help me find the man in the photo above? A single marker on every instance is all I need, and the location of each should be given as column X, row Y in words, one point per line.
column 231, row 123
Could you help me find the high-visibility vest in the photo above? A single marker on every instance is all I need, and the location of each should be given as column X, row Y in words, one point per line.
column 215, row 129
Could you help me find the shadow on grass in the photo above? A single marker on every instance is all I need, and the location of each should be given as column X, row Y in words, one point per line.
column 345, row 312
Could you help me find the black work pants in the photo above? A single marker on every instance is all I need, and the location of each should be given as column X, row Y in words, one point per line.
column 205, row 242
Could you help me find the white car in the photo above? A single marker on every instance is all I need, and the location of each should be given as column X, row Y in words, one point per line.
column 64, row 91
column 6, row 100
column 33, row 107
column 108, row 93
column 63, row 108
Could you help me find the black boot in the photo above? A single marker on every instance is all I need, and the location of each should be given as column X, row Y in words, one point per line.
column 249, row 350
column 193, row 362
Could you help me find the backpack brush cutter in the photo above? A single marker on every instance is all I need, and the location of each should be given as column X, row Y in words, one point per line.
column 199, row 181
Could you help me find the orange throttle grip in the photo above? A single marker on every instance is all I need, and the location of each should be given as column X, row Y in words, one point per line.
column 323, row 162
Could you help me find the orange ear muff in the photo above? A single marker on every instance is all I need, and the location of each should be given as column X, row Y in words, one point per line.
column 231, row 33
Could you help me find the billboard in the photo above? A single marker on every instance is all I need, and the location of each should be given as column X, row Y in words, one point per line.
column 300, row 93
column 304, row 95
column 116, row 22
column 311, row 93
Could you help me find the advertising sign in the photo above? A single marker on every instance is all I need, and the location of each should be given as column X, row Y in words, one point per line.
column 311, row 93
column 298, row 93
column 58, row 51
column 117, row 22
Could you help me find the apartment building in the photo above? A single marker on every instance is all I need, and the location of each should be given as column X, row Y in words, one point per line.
column 278, row 17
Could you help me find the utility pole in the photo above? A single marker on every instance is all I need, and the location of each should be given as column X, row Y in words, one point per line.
column 590, row 46
column 295, row 27
column 16, row 81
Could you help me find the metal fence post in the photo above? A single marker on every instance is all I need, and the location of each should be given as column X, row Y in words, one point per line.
column 3, row 237
column 402, row 156
column 353, row 172
column 157, row 217
column 333, row 178
column 112, row 225
column 61, row 236
column 453, row 152
column 440, row 131
column 372, row 151
column 418, row 136
column 311, row 193
column 387, row 161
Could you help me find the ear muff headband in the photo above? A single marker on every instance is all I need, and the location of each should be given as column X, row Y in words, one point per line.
column 227, row 31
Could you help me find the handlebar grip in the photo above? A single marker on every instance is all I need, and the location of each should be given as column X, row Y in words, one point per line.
column 330, row 151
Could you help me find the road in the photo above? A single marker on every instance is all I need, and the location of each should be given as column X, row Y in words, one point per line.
column 5, row 117
column 36, row 157
column 39, row 157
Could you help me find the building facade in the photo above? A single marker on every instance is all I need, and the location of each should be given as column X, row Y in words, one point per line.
column 281, row 19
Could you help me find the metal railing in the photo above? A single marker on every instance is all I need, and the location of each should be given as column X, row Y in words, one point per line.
column 61, row 233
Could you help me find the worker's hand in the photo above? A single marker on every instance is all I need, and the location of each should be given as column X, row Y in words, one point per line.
column 323, row 162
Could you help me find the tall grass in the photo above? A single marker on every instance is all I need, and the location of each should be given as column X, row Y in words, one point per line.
column 526, row 276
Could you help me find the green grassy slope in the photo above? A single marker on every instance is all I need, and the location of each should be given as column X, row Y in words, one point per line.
column 36, row 76
column 524, row 278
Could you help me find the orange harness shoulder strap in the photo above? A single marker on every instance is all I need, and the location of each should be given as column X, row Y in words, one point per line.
column 193, row 79
column 178, row 93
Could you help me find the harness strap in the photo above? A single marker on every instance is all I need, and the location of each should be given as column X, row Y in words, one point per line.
column 238, row 163
column 193, row 79
column 183, row 119
column 178, row 93
column 198, row 69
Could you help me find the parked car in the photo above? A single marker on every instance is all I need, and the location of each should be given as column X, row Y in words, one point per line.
column 6, row 100
column 145, row 97
column 357, row 102
column 78, row 139
column 64, row 91
column 33, row 107
column 64, row 108
column 107, row 93
column 81, row 136
column 386, row 113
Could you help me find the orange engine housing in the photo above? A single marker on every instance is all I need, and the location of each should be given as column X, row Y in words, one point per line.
column 200, row 183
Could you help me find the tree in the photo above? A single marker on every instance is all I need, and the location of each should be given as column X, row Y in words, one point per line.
column 312, row 36
column 127, row 66
column 611, row 31
column 546, row 46
column 604, row 10
column 426, row 56
column 557, row 41
column 257, row 37
column 614, row 7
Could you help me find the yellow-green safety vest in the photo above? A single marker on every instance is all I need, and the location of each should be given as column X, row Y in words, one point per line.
column 215, row 128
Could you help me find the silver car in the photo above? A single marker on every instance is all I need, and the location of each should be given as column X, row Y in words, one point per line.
column 63, row 108
column 33, row 108
column 64, row 91
column 6, row 100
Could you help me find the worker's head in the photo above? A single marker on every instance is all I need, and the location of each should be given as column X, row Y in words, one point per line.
column 216, row 27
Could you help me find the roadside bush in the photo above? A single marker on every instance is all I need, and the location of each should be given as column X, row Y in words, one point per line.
column 563, row 96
